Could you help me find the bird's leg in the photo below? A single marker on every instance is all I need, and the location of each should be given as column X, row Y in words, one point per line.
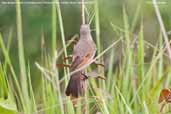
column 101, row 77
column 74, row 41
column 83, row 73
column 100, row 64
column 95, row 75
column 98, row 76
column 63, row 65
column 66, row 58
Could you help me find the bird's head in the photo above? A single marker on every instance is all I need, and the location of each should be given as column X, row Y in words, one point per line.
column 85, row 29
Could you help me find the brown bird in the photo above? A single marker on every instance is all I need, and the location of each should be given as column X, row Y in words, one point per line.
column 83, row 53
column 85, row 49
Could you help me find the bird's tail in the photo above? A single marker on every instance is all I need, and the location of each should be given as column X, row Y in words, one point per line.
column 76, row 86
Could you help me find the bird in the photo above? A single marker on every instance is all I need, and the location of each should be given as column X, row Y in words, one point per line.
column 85, row 49
column 83, row 53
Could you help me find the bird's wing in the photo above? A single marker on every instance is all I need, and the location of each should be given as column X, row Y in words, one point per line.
column 82, row 54
column 78, row 62
column 85, row 60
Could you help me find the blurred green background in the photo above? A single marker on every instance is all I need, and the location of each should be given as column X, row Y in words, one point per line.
column 37, row 21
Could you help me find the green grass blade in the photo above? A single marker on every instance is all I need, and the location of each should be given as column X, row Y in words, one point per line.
column 54, row 28
column 22, row 64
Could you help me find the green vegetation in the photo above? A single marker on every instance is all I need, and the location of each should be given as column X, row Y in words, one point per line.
column 135, row 69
